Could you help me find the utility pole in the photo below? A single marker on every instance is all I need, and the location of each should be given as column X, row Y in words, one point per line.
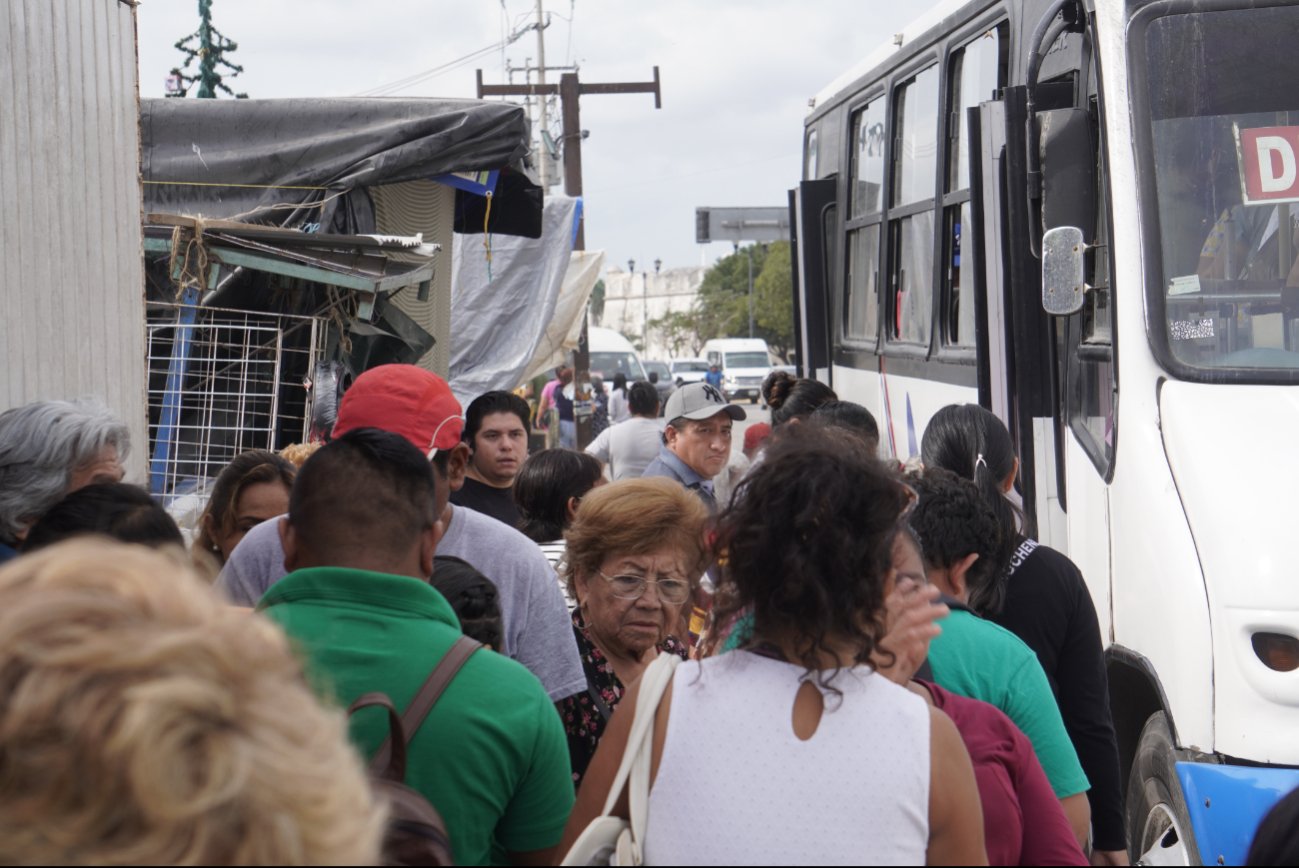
column 210, row 52
column 542, row 113
column 570, row 91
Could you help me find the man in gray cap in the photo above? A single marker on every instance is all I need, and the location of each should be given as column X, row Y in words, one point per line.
column 697, row 440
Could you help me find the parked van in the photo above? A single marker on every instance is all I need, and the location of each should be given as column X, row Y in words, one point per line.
column 745, row 363
column 611, row 354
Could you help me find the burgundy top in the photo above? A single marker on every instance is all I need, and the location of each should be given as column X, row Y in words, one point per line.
column 1023, row 823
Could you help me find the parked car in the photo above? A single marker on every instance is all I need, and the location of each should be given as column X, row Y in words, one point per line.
column 660, row 375
column 745, row 363
column 688, row 370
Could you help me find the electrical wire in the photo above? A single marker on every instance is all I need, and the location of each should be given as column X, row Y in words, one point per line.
column 433, row 72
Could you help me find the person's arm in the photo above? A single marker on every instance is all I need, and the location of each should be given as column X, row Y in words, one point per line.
column 955, row 812
column 1079, row 813
column 599, row 447
column 544, row 641
column 533, row 822
column 1085, row 708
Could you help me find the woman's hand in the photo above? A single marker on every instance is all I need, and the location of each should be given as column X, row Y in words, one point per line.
column 910, row 613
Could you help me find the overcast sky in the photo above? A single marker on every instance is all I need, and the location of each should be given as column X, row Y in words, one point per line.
column 736, row 77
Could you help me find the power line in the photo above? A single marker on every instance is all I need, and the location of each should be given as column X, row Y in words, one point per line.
column 433, row 72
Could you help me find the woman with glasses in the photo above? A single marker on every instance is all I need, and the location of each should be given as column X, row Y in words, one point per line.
column 635, row 553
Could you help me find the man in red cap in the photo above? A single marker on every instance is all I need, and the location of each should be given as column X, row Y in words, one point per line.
column 419, row 405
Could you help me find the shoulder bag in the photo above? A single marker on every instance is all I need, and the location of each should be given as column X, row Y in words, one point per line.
column 610, row 840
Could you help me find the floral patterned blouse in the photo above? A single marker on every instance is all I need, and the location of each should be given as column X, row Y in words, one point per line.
column 585, row 714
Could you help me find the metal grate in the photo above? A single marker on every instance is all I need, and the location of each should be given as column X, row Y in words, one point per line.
column 222, row 382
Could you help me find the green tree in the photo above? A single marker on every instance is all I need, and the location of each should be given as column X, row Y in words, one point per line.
column 773, row 299
column 679, row 331
column 723, row 303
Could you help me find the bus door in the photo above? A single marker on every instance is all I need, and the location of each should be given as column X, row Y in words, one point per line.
column 1072, row 192
column 1014, row 358
column 813, row 219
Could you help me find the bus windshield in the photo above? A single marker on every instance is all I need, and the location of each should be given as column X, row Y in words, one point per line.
column 1224, row 115
column 747, row 360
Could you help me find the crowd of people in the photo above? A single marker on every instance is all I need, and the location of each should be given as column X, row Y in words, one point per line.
column 878, row 664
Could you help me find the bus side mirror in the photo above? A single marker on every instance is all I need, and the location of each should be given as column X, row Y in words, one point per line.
column 1063, row 270
column 1068, row 166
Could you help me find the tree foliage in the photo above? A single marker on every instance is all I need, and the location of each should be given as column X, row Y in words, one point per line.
column 722, row 309
column 679, row 332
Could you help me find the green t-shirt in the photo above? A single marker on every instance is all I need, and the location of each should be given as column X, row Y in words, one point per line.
column 491, row 756
column 977, row 659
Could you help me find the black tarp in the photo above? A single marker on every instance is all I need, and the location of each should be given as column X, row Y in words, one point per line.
column 274, row 161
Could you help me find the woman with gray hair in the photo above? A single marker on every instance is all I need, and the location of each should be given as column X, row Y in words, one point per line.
column 49, row 449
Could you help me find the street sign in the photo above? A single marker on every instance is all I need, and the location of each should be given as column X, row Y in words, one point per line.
column 763, row 225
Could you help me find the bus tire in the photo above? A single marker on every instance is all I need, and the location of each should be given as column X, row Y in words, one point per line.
column 1159, row 825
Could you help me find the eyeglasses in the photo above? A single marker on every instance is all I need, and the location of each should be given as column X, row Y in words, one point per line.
column 629, row 587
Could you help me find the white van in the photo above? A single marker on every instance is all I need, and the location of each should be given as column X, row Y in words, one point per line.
column 611, row 354
column 745, row 363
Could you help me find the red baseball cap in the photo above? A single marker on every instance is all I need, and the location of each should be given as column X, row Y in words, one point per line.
column 405, row 400
column 755, row 434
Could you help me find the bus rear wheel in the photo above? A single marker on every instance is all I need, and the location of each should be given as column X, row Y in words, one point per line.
column 1159, row 825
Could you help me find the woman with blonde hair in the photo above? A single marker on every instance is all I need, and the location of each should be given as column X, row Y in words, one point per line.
column 148, row 724
column 636, row 552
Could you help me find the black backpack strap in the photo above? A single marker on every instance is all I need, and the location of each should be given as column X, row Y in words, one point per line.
column 424, row 700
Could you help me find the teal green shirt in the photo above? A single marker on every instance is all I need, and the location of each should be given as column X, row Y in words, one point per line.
column 491, row 756
column 978, row 659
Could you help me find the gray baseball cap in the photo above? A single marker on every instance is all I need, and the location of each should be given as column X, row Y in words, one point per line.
column 699, row 401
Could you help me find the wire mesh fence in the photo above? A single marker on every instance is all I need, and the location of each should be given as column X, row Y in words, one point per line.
column 222, row 382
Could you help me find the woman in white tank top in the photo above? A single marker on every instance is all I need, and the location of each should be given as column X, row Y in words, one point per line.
column 794, row 750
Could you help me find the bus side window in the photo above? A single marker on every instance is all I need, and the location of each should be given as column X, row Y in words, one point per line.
column 1091, row 391
column 976, row 73
column 911, row 217
column 860, row 312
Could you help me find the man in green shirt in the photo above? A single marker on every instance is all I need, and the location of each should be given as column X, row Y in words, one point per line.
column 359, row 542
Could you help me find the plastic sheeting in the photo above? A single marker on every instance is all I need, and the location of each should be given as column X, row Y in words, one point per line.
column 518, row 321
column 243, row 158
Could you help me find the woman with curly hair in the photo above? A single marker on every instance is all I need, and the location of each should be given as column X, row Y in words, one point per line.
column 794, row 750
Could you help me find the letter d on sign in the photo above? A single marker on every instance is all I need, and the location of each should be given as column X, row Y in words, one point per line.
column 1269, row 148
column 1269, row 167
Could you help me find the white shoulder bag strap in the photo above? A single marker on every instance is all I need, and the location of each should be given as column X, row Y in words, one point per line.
column 624, row 846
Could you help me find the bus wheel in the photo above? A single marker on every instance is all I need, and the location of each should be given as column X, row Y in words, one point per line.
column 1159, row 826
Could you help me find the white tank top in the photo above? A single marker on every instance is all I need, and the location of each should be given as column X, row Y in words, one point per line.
column 736, row 786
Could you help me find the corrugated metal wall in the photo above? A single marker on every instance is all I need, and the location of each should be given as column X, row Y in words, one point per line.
column 71, row 267
column 427, row 207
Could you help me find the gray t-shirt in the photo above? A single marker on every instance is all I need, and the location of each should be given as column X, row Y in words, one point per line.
column 536, row 627
column 628, row 447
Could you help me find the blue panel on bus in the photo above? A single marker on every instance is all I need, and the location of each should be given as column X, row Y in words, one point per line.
column 1226, row 804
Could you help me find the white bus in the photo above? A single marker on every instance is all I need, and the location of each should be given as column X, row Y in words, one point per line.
column 1155, row 408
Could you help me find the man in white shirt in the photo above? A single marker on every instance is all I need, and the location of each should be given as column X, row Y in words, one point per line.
column 628, row 447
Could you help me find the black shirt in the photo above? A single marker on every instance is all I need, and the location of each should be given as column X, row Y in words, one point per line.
column 1049, row 607
column 484, row 498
